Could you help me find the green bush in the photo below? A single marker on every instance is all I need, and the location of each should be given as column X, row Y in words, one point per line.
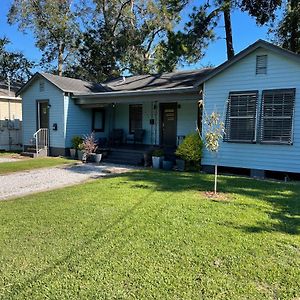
column 158, row 153
column 190, row 149
column 76, row 141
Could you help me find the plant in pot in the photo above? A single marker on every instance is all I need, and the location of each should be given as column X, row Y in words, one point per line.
column 157, row 158
column 89, row 148
column 76, row 141
column 80, row 151
column 189, row 153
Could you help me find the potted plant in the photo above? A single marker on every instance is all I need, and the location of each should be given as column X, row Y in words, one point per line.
column 89, row 147
column 157, row 158
column 167, row 165
column 80, row 151
column 189, row 152
column 98, row 156
column 76, row 141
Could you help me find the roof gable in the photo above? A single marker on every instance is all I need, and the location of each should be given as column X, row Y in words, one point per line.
column 258, row 44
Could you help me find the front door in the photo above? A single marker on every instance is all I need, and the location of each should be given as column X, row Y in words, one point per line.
column 43, row 114
column 168, row 124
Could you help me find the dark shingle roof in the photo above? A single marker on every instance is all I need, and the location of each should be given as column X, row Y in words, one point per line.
column 179, row 79
column 72, row 85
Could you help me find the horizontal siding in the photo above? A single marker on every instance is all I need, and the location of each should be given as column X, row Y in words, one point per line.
column 281, row 73
column 56, row 112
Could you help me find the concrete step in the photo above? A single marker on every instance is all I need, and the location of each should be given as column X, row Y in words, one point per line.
column 28, row 154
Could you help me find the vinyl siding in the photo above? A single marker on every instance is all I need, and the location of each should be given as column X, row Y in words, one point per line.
column 281, row 73
column 56, row 112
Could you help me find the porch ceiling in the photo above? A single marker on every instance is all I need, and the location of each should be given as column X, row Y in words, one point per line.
column 102, row 99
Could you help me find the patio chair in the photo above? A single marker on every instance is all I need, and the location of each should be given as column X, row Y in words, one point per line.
column 138, row 136
column 116, row 137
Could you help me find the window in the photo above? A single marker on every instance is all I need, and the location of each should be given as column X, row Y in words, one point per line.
column 42, row 85
column 240, row 121
column 261, row 64
column 135, row 117
column 277, row 116
column 98, row 120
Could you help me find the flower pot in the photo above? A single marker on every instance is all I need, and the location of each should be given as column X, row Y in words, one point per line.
column 167, row 165
column 157, row 161
column 98, row 158
column 91, row 157
column 72, row 153
column 147, row 160
column 180, row 164
column 80, row 154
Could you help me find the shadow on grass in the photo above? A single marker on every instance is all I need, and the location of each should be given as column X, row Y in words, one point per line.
column 283, row 198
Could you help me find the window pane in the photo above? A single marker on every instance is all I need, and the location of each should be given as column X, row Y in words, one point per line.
column 277, row 116
column 241, row 117
column 98, row 120
column 135, row 117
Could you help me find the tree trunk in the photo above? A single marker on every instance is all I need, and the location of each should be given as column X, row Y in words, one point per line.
column 228, row 29
column 216, row 178
column 61, row 49
column 294, row 26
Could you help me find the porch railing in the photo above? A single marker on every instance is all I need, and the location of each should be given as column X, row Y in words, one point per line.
column 41, row 142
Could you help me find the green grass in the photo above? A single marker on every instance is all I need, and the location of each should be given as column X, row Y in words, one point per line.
column 153, row 235
column 9, row 153
column 30, row 164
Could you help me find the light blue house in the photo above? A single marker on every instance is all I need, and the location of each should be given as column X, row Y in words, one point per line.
column 161, row 108
column 256, row 92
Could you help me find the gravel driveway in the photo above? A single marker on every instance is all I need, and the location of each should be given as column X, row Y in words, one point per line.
column 23, row 183
column 7, row 159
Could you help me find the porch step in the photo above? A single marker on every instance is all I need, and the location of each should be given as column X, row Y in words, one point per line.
column 28, row 154
column 123, row 156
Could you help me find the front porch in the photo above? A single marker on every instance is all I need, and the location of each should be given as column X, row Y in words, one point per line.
column 128, row 127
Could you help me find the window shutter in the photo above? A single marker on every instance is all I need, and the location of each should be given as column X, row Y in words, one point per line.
column 261, row 64
column 240, row 121
column 277, row 116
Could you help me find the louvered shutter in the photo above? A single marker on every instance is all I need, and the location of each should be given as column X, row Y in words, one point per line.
column 240, row 124
column 277, row 116
column 261, row 64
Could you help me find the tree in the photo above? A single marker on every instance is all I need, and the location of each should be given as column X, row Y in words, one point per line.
column 287, row 32
column 13, row 64
column 200, row 29
column 53, row 24
column 214, row 130
column 125, row 36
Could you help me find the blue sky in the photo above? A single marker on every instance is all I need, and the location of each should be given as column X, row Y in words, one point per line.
column 245, row 32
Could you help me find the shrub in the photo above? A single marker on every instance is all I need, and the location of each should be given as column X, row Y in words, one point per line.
column 89, row 144
column 158, row 153
column 190, row 149
column 76, row 141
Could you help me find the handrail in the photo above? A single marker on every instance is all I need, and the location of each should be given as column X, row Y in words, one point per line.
column 41, row 141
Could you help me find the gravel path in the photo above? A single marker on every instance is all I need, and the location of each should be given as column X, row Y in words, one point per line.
column 23, row 183
column 7, row 159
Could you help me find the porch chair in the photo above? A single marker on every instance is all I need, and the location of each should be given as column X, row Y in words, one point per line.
column 116, row 137
column 138, row 136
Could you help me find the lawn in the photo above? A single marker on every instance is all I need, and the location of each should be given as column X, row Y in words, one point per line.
column 153, row 235
column 30, row 164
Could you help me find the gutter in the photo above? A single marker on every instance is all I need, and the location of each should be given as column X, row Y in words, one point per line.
column 114, row 94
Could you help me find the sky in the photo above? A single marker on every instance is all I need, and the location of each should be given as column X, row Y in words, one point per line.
column 245, row 32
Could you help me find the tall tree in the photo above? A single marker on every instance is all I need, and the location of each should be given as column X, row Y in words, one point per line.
column 53, row 24
column 13, row 64
column 124, row 36
column 287, row 32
